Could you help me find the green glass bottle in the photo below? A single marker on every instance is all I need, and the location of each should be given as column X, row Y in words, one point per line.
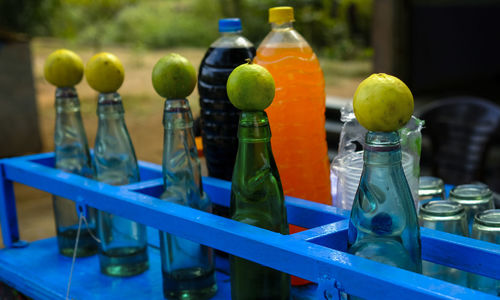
column 384, row 225
column 257, row 199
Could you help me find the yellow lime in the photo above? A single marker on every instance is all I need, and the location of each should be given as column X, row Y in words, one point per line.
column 104, row 72
column 174, row 77
column 383, row 103
column 250, row 87
column 63, row 68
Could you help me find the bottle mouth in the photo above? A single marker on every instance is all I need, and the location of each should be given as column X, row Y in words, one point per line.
column 471, row 193
column 429, row 185
column 66, row 92
column 382, row 141
column 489, row 218
column 441, row 208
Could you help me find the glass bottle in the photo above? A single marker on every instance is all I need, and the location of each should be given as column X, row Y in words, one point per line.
column 383, row 225
column 474, row 198
column 123, row 248
column 72, row 155
column 449, row 217
column 486, row 227
column 187, row 267
column 257, row 199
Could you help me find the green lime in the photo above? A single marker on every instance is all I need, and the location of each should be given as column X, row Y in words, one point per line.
column 250, row 87
column 63, row 68
column 383, row 103
column 104, row 72
column 174, row 77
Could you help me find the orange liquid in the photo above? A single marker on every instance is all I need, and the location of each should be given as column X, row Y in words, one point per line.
column 297, row 119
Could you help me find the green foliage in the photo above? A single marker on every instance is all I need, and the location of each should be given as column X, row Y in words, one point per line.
column 26, row 16
column 337, row 29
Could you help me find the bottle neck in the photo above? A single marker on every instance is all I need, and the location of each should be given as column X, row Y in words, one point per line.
column 230, row 33
column 254, row 146
column 181, row 165
column 382, row 149
column 70, row 141
column 282, row 26
column 109, row 106
column 254, row 128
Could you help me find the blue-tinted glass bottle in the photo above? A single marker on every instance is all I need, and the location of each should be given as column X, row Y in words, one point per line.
column 123, row 248
column 72, row 155
column 187, row 267
column 384, row 225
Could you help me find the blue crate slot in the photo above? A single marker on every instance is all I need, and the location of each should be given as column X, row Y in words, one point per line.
column 317, row 254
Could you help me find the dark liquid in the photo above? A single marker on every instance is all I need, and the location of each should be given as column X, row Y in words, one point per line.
column 219, row 117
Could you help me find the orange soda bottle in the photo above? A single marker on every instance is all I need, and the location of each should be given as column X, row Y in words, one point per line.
column 297, row 114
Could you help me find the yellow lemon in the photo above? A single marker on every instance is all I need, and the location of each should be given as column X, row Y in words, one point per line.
column 250, row 87
column 174, row 77
column 104, row 72
column 382, row 103
column 63, row 68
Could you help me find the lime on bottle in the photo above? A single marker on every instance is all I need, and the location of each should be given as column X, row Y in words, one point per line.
column 174, row 77
column 383, row 103
column 104, row 72
column 63, row 68
column 250, row 87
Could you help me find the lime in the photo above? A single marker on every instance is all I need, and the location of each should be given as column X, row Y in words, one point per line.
column 382, row 103
column 250, row 87
column 174, row 77
column 63, row 68
column 104, row 72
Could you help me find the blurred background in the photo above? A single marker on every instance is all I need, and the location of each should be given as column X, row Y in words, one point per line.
column 440, row 48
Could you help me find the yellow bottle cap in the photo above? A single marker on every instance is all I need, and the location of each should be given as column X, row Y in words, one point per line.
column 281, row 14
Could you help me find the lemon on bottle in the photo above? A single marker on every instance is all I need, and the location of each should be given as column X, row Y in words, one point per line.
column 104, row 72
column 250, row 87
column 383, row 103
column 63, row 68
column 174, row 77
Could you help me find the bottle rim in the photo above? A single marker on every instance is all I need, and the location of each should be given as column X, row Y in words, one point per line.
column 488, row 218
column 441, row 208
column 471, row 193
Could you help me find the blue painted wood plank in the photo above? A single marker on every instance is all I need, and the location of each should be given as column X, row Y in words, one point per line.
column 287, row 253
column 41, row 273
column 8, row 212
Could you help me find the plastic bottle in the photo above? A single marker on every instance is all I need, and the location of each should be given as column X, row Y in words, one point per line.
column 297, row 114
column 188, row 267
column 257, row 199
column 123, row 247
column 72, row 155
column 219, row 117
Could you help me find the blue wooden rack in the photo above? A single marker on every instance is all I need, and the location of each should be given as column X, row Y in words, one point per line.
column 317, row 254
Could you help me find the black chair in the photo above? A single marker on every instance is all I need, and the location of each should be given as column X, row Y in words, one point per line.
column 462, row 131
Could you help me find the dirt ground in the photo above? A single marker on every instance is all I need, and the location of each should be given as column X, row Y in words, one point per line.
column 143, row 113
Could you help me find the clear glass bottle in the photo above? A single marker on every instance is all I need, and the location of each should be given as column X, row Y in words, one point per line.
column 449, row 217
column 474, row 198
column 383, row 225
column 187, row 267
column 257, row 199
column 123, row 248
column 486, row 227
column 72, row 155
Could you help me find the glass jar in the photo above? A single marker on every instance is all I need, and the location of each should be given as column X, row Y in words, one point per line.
column 486, row 227
column 449, row 217
column 474, row 198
